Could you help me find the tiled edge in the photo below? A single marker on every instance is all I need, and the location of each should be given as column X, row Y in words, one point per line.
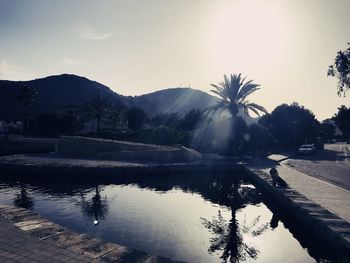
column 317, row 219
column 67, row 170
column 98, row 250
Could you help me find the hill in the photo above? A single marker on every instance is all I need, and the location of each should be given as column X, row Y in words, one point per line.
column 69, row 90
column 179, row 100
column 53, row 92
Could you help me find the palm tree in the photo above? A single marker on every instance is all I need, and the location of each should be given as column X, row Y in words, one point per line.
column 97, row 208
column 228, row 235
column 233, row 93
column 26, row 98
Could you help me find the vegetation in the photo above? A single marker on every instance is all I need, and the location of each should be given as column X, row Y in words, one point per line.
column 327, row 131
column 49, row 124
column 342, row 119
column 291, row 125
column 26, row 98
column 286, row 126
column 97, row 106
column 341, row 70
column 233, row 93
column 136, row 118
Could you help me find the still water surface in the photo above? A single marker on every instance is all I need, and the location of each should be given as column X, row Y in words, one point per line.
column 193, row 218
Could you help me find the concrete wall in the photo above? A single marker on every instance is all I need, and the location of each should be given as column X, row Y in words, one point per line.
column 326, row 227
column 17, row 144
column 121, row 150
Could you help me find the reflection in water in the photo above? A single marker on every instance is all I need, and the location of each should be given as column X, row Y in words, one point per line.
column 228, row 236
column 22, row 199
column 97, row 208
column 274, row 221
column 207, row 217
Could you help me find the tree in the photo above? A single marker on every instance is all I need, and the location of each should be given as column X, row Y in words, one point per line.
column 136, row 118
column 342, row 119
column 95, row 209
column 97, row 106
column 228, row 236
column 166, row 119
column 191, row 119
column 341, row 70
column 233, row 93
column 291, row 125
column 327, row 131
column 259, row 140
column 26, row 98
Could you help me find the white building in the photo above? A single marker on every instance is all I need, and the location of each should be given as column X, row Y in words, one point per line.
column 113, row 119
column 11, row 126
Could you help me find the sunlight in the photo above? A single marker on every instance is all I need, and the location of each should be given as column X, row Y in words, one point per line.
column 245, row 35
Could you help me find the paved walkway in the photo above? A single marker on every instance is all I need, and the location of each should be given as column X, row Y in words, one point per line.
column 330, row 197
column 17, row 246
column 26, row 237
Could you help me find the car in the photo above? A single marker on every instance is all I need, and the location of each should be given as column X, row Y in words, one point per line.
column 307, row 149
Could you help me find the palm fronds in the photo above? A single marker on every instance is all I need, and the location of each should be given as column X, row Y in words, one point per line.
column 233, row 92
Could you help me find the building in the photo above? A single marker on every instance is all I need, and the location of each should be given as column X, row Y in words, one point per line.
column 11, row 127
column 113, row 119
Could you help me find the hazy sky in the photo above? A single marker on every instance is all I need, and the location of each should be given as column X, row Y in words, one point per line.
column 136, row 47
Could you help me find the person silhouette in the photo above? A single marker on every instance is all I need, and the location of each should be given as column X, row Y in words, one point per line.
column 276, row 179
column 274, row 175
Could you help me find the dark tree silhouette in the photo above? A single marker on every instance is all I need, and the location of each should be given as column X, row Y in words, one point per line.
column 260, row 139
column 168, row 119
column 341, row 70
column 26, row 98
column 136, row 118
column 291, row 125
column 228, row 238
column 191, row 119
column 98, row 106
column 342, row 119
column 327, row 131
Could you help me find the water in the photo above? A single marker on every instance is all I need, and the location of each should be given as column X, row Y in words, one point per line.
column 190, row 217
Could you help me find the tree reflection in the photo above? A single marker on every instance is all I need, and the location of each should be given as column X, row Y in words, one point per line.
column 97, row 208
column 228, row 236
column 22, row 199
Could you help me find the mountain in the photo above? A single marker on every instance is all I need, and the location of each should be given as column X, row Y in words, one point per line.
column 53, row 92
column 179, row 100
column 71, row 90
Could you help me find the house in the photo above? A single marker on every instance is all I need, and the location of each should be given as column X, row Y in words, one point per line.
column 113, row 119
column 11, row 127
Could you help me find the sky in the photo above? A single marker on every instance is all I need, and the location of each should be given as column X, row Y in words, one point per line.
column 137, row 47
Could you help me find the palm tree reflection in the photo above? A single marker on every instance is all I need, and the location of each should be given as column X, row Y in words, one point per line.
column 96, row 209
column 228, row 236
column 22, row 199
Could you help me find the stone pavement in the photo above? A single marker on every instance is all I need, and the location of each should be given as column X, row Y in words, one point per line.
column 332, row 198
column 321, row 208
column 16, row 246
column 26, row 237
